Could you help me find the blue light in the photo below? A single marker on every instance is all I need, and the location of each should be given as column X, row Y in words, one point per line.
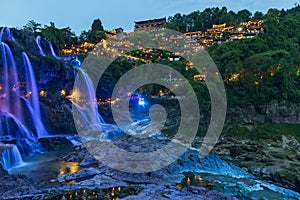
column 141, row 101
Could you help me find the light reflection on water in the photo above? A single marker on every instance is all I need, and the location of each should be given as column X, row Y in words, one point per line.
column 241, row 188
column 42, row 168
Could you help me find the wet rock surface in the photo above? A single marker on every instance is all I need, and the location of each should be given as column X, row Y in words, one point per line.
column 274, row 161
column 15, row 186
column 183, row 179
column 96, row 179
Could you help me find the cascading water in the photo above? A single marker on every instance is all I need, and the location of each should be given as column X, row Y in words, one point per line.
column 1, row 34
column 33, row 102
column 6, row 34
column 75, row 61
column 52, row 50
column 38, row 42
column 10, row 93
column 85, row 101
column 10, row 156
column 85, row 106
column 13, row 111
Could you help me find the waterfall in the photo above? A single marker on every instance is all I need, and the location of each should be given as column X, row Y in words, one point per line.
column 38, row 42
column 85, row 100
column 74, row 139
column 14, row 121
column 1, row 34
column 6, row 34
column 75, row 61
column 10, row 156
column 85, row 108
column 10, row 93
column 33, row 102
column 52, row 50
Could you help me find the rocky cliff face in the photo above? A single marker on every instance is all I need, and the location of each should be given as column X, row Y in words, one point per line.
column 274, row 112
column 57, row 116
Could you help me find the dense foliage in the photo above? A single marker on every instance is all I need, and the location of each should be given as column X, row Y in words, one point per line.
column 200, row 21
column 62, row 37
column 268, row 66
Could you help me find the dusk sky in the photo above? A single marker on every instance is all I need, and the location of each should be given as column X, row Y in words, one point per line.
column 116, row 13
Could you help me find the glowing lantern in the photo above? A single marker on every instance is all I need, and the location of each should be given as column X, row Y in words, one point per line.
column 62, row 93
column 298, row 72
column 43, row 93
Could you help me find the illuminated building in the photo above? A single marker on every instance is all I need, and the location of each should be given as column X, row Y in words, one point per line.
column 200, row 77
column 80, row 49
column 217, row 30
column 151, row 24
column 113, row 32
column 189, row 65
column 220, row 33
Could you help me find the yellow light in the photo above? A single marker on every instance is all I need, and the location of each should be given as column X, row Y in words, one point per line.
column 256, row 83
column 43, row 93
column 234, row 77
column 188, row 181
column 104, row 43
column 61, row 171
column 179, row 186
column 73, row 95
column 62, row 93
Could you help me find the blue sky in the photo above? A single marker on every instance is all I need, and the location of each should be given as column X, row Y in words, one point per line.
column 79, row 14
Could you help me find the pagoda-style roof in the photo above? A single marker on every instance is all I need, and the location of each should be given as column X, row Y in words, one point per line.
column 151, row 21
column 217, row 26
column 255, row 23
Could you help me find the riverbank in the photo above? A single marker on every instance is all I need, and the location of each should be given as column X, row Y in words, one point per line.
column 188, row 177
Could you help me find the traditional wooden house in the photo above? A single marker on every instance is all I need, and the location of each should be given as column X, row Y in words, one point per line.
column 151, row 24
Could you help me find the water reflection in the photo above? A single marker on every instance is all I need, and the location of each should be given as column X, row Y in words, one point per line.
column 42, row 168
column 68, row 167
column 107, row 193
column 194, row 180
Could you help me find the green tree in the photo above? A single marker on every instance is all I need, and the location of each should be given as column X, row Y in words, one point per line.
column 33, row 26
column 97, row 25
column 176, row 23
column 244, row 15
column 95, row 35
column 258, row 15
column 60, row 37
